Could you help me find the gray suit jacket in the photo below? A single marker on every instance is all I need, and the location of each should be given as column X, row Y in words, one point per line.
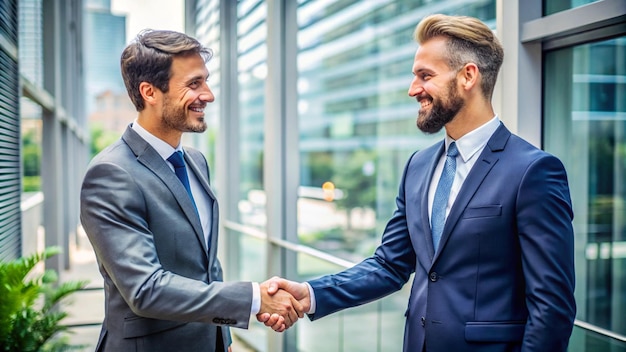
column 163, row 290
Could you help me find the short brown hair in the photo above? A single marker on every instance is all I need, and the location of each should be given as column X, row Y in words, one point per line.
column 469, row 40
column 149, row 59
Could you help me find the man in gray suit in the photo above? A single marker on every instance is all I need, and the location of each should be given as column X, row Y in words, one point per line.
column 150, row 214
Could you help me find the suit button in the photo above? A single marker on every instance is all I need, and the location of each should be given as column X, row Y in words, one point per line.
column 434, row 277
column 423, row 320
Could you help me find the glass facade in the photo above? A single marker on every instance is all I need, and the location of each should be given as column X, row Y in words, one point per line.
column 356, row 121
column 102, row 57
column 585, row 103
column 251, row 74
column 554, row 6
column 355, row 126
column 208, row 29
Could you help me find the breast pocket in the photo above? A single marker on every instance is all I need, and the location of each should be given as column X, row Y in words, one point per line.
column 484, row 211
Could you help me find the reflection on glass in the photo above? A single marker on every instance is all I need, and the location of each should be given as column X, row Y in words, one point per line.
column 553, row 6
column 252, row 259
column 378, row 326
column 585, row 125
column 208, row 32
column 356, row 120
column 588, row 341
column 252, row 66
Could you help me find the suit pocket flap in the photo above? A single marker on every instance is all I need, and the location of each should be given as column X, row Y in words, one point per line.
column 138, row 326
column 482, row 212
column 494, row 331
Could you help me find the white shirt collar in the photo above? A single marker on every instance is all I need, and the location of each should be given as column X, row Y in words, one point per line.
column 165, row 150
column 475, row 140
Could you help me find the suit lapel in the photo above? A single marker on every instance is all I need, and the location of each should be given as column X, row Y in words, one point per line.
column 428, row 237
column 149, row 158
column 486, row 161
column 201, row 173
column 194, row 162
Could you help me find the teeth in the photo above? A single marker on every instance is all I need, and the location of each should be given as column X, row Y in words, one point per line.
column 197, row 109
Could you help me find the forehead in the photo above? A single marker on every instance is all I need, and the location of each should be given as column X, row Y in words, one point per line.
column 431, row 55
column 188, row 66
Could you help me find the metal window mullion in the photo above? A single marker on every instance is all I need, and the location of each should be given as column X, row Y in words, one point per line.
column 574, row 21
column 228, row 145
column 280, row 173
column 51, row 142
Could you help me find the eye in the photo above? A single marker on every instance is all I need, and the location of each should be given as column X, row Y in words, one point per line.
column 195, row 84
column 425, row 76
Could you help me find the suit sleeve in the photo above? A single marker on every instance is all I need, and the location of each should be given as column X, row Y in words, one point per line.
column 383, row 273
column 547, row 243
column 113, row 211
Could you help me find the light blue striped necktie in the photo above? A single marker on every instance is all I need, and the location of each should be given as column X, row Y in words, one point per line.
column 442, row 194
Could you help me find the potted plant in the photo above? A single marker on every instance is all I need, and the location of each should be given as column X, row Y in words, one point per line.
column 30, row 313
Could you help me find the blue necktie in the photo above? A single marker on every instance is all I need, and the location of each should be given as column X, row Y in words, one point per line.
column 442, row 194
column 181, row 172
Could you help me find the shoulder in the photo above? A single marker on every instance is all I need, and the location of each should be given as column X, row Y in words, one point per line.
column 525, row 151
column 112, row 153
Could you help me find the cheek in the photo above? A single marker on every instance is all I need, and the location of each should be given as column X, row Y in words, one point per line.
column 188, row 98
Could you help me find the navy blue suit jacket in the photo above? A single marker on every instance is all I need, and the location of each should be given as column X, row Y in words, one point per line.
column 503, row 277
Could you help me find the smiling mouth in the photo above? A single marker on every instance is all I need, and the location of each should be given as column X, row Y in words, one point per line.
column 197, row 109
column 425, row 103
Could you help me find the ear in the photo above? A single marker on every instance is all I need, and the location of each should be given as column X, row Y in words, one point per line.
column 148, row 93
column 469, row 76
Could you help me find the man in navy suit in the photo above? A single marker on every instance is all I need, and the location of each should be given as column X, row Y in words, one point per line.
column 501, row 277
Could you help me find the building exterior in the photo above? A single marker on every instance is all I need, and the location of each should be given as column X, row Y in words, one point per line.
column 311, row 128
column 315, row 92
column 113, row 111
column 104, row 39
column 44, row 40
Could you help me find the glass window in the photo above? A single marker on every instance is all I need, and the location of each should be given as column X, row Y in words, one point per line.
column 356, row 120
column 585, row 125
column 252, row 66
column 208, row 32
column 553, row 6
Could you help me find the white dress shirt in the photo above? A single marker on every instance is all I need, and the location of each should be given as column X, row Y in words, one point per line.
column 470, row 146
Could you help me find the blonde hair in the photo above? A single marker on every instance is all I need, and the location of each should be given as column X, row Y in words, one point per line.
column 469, row 40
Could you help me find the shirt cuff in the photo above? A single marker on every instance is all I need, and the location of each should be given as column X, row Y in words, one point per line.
column 256, row 299
column 312, row 296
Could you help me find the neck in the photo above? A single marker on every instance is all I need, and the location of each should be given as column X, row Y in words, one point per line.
column 152, row 125
column 468, row 119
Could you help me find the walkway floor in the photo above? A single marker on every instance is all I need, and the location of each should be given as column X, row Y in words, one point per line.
column 86, row 308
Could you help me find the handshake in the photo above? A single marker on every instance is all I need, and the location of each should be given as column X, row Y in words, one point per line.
column 282, row 303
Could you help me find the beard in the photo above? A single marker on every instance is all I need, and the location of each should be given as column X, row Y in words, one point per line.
column 175, row 117
column 441, row 111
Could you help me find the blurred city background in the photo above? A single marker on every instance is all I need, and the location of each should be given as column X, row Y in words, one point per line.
column 308, row 138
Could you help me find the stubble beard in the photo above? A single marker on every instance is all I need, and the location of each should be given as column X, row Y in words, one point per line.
column 175, row 117
column 441, row 112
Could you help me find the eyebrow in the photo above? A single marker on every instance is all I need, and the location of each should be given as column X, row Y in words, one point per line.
column 197, row 77
column 422, row 70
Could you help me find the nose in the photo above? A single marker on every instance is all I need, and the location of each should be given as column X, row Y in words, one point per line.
column 207, row 94
column 415, row 88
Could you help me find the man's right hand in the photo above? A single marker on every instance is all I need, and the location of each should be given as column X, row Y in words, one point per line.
column 299, row 291
column 281, row 306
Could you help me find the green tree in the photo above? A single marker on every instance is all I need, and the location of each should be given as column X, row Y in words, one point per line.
column 101, row 138
column 31, row 162
column 356, row 177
